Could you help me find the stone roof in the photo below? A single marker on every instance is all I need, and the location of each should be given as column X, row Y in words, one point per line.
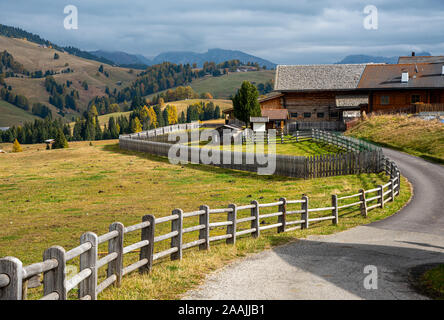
column 318, row 77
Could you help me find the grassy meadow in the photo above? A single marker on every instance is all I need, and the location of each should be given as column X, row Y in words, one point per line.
column 51, row 197
column 405, row 133
column 227, row 85
column 303, row 148
column 11, row 115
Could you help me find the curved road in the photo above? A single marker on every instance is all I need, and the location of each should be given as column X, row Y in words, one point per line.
column 332, row 267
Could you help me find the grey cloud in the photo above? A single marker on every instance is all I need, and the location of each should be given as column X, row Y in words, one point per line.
column 282, row 31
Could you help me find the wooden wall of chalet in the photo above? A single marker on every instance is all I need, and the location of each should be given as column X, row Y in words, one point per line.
column 275, row 103
column 400, row 99
column 316, row 102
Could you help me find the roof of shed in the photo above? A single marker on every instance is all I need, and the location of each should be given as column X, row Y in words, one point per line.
column 275, row 114
column 318, row 77
column 388, row 76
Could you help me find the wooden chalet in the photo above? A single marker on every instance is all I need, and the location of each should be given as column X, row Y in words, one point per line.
column 318, row 96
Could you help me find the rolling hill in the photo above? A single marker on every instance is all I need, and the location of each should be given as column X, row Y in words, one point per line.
column 37, row 57
column 227, row 85
column 10, row 115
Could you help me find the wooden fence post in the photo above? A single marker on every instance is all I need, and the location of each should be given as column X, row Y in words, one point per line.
column 392, row 190
column 205, row 233
column 13, row 269
column 176, row 242
column 363, row 203
column 283, row 218
column 335, row 213
column 305, row 214
column 399, row 181
column 381, row 196
column 88, row 260
column 231, row 229
column 255, row 223
column 116, row 245
column 147, row 251
column 54, row 280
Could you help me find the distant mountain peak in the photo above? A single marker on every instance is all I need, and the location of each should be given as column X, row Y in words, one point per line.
column 216, row 55
column 362, row 58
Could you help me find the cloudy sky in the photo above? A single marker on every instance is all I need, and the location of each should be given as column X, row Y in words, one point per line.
column 283, row 31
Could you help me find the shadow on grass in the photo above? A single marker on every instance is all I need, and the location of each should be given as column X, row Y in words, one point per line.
column 206, row 168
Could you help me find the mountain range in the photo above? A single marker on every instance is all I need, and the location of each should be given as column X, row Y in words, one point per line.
column 361, row 58
column 182, row 57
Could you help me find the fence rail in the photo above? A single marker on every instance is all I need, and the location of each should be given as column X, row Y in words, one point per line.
column 358, row 157
column 56, row 286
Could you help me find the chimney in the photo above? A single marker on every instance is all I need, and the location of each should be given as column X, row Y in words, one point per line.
column 413, row 53
column 405, row 77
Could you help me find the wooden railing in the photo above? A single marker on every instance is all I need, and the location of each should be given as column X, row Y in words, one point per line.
column 240, row 221
column 359, row 156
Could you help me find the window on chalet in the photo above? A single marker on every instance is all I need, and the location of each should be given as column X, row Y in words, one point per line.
column 320, row 115
column 416, row 98
column 294, row 114
column 334, row 114
column 307, row 114
column 385, row 100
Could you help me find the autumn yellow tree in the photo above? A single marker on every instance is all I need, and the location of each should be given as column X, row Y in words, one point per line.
column 152, row 118
column 16, row 147
column 135, row 125
column 172, row 114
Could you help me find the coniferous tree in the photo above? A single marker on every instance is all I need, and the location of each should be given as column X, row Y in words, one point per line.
column 245, row 103
column 60, row 141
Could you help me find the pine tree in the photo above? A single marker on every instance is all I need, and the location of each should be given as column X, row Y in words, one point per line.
column 16, row 147
column 245, row 103
column 60, row 141
column 113, row 128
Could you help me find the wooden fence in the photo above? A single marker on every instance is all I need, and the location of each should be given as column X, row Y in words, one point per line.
column 290, row 215
column 293, row 126
column 359, row 156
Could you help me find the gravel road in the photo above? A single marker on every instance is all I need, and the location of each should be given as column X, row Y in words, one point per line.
column 332, row 267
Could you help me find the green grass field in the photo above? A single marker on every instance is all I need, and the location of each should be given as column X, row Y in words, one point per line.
column 11, row 115
column 432, row 282
column 405, row 133
column 303, row 148
column 227, row 85
column 67, row 192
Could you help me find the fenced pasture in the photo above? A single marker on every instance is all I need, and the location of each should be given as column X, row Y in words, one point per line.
column 103, row 260
column 359, row 156
column 198, row 228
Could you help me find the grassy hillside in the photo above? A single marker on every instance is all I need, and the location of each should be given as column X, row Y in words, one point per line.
column 224, row 86
column 406, row 133
column 33, row 57
column 45, row 204
column 181, row 106
column 11, row 115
